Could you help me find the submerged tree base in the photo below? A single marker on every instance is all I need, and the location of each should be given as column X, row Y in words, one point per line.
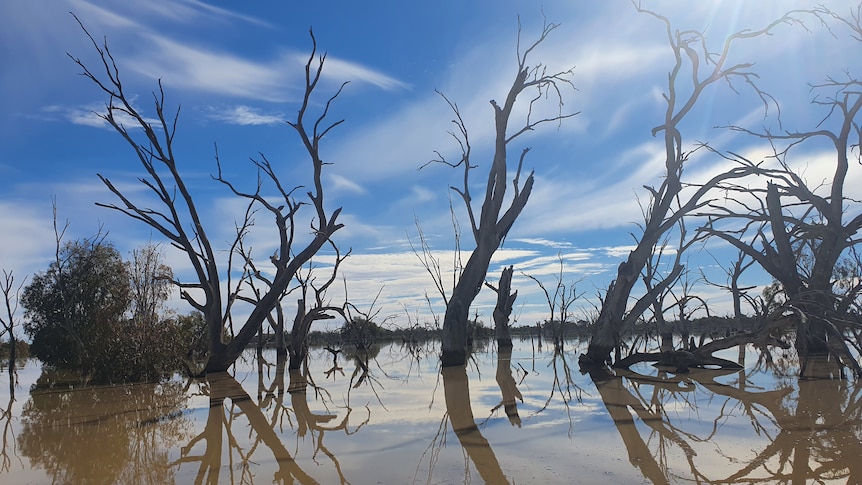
column 596, row 356
column 453, row 358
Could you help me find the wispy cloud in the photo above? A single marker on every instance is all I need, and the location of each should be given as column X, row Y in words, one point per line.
column 219, row 72
column 27, row 238
column 93, row 13
column 246, row 115
column 544, row 242
column 343, row 70
column 213, row 71
column 89, row 115
column 180, row 11
column 618, row 251
column 149, row 50
column 341, row 184
column 192, row 11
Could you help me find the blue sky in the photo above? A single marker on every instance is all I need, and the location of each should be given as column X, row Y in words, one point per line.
column 236, row 70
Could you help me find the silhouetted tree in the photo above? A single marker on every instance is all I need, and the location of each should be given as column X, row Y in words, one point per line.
column 559, row 302
column 669, row 203
column 798, row 233
column 8, row 320
column 493, row 222
column 503, row 309
column 178, row 218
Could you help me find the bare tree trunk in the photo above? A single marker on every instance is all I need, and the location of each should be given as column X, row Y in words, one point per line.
column 260, row 339
column 298, row 346
column 493, row 222
column 609, row 325
column 667, row 208
column 177, row 217
column 665, row 331
column 280, row 345
column 11, row 296
column 454, row 339
column 503, row 309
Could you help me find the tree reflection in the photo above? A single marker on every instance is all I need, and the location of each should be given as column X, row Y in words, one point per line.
column 508, row 387
column 116, row 434
column 819, row 433
column 810, row 427
column 456, row 388
column 563, row 385
column 221, row 387
column 621, row 404
column 459, row 413
column 316, row 425
column 363, row 375
column 232, row 411
column 7, row 440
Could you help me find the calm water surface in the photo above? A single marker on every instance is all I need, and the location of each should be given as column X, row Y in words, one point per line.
column 528, row 417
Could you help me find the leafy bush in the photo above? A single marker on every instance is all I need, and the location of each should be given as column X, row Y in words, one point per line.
column 72, row 308
column 360, row 332
column 94, row 313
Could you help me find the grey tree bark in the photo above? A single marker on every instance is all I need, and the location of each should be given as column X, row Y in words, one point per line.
column 668, row 205
column 798, row 233
column 494, row 221
column 503, row 308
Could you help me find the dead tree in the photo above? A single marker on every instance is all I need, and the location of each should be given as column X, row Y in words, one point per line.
column 669, row 202
column 653, row 279
column 559, row 304
column 503, row 308
column 798, row 233
column 311, row 307
column 178, row 219
column 737, row 293
column 8, row 320
column 490, row 227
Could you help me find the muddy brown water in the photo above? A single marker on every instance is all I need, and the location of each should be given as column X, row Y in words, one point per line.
column 528, row 417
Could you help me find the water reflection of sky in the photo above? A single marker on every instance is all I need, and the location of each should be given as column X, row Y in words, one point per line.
column 405, row 422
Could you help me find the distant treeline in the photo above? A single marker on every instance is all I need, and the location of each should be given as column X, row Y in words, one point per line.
column 713, row 327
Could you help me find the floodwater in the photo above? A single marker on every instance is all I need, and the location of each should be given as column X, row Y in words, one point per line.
column 528, row 417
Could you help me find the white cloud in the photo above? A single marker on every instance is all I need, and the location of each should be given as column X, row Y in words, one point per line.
column 91, row 115
column 397, row 144
column 618, row 251
column 219, row 72
column 607, row 199
column 86, row 118
column 544, row 242
column 343, row 70
column 275, row 80
column 339, row 184
column 246, row 115
column 420, row 194
column 88, row 12
column 192, row 11
column 28, row 238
